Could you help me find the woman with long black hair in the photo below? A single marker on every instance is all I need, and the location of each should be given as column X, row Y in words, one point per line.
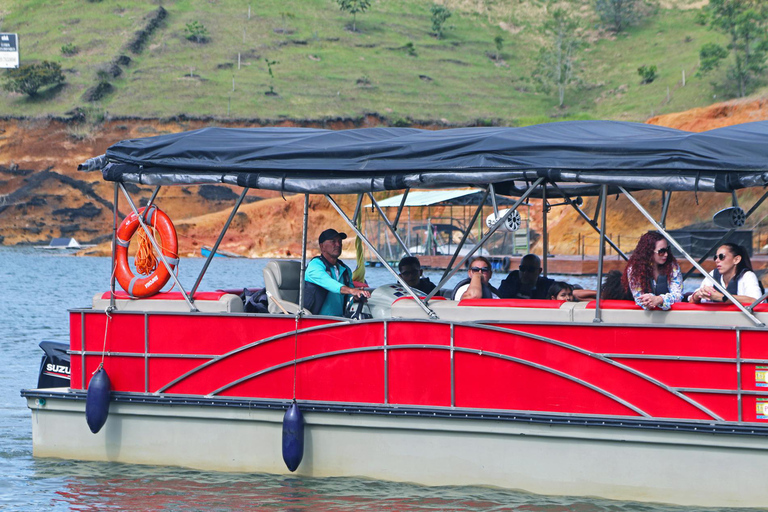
column 733, row 270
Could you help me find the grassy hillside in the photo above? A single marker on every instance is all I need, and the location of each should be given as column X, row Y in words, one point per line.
column 324, row 70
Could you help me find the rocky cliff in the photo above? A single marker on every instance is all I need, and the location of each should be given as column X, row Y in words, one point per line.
column 42, row 195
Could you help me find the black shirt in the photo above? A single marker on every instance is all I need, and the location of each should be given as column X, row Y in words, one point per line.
column 510, row 287
column 425, row 285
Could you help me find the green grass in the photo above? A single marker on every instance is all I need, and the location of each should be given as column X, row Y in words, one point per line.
column 326, row 71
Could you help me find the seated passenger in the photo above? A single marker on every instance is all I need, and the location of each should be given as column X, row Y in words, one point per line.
column 613, row 289
column 561, row 290
column 734, row 272
column 652, row 274
column 328, row 279
column 526, row 283
column 411, row 273
column 477, row 286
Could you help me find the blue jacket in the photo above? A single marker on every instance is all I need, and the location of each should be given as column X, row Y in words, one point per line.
column 322, row 286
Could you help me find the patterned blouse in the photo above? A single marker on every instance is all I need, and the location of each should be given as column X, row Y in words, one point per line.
column 675, row 288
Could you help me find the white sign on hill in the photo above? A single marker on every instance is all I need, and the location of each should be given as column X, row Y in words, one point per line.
column 9, row 50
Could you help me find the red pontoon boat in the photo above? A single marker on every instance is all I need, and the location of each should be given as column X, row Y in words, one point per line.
column 594, row 399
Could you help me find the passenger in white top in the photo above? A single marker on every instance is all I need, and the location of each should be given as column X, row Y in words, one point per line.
column 477, row 285
column 734, row 271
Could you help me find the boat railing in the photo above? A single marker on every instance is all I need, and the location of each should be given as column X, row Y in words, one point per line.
column 556, row 312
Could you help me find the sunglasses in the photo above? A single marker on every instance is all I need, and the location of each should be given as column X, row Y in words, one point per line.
column 720, row 256
column 484, row 270
column 527, row 268
column 410, row 272
column 662, row 251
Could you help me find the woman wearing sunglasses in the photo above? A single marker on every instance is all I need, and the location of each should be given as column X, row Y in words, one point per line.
column 733, row 270
column 477, row 285
column 652, row 274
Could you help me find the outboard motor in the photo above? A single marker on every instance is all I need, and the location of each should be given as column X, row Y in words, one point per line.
column 54, row 368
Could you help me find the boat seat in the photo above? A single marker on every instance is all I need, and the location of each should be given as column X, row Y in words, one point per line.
column 281, row 278
column 172, row 302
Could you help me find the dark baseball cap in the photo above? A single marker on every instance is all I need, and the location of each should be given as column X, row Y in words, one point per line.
column 330, row 234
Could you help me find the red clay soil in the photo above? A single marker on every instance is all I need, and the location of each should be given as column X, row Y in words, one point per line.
column 42, row 195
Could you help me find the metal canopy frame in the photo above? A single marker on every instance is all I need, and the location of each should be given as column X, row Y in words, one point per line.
column 590, row 221
column 600, row 210
column 687, row 256
column 500, row 222
column 392, row 228
column 218, row 241
column 466, row 233
column 353, row 227
column 726, row 236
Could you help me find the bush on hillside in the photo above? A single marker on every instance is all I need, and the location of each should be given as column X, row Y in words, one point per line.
column 196, row 32
column 70, row 49
column 30, row 78
column 647, row 74
column 499, row 42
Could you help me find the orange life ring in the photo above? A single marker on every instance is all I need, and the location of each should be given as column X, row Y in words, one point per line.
column 153, row 283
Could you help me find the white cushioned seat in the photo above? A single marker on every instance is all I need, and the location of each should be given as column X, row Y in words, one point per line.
column 281, row 278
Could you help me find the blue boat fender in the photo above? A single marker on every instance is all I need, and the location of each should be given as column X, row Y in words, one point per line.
column 97, row 400
column 293, row 437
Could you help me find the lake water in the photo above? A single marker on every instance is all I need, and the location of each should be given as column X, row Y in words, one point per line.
column 36, row 289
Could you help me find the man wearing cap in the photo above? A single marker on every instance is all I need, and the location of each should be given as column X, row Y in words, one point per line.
column 328, row 279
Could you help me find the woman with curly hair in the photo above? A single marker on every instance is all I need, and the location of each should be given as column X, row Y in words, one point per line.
column 652, row 274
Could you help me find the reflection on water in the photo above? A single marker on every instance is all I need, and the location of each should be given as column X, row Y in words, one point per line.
column 102, row 486
column 35, row 291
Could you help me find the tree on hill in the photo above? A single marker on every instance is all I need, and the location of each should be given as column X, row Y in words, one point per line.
column 555, row 69
column 353, row 7
column 618, row 14
column 30, row 78
column 440, row 15
column 745, row 22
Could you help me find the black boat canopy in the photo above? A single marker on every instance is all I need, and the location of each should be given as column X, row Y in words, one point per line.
column 580, row 154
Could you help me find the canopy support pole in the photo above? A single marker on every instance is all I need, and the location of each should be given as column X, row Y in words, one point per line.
column 687, row 256
column 500, row 222
column 400, row 208
column 493, row 201
column 601, row 250
column 389, row 224
column 384, row 262
column 114, row 249
column 466, row 233
column 591, row 222
column 150, row 202
column 358, row 207
column 303, row 272
column 597, row 209
column 726, row 236
column 218, row 241
column 160, row 254
column 666, row 197
column 544, row 233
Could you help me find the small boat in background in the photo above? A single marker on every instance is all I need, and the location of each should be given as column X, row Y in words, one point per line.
column 64, row 244
column 206, row 251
